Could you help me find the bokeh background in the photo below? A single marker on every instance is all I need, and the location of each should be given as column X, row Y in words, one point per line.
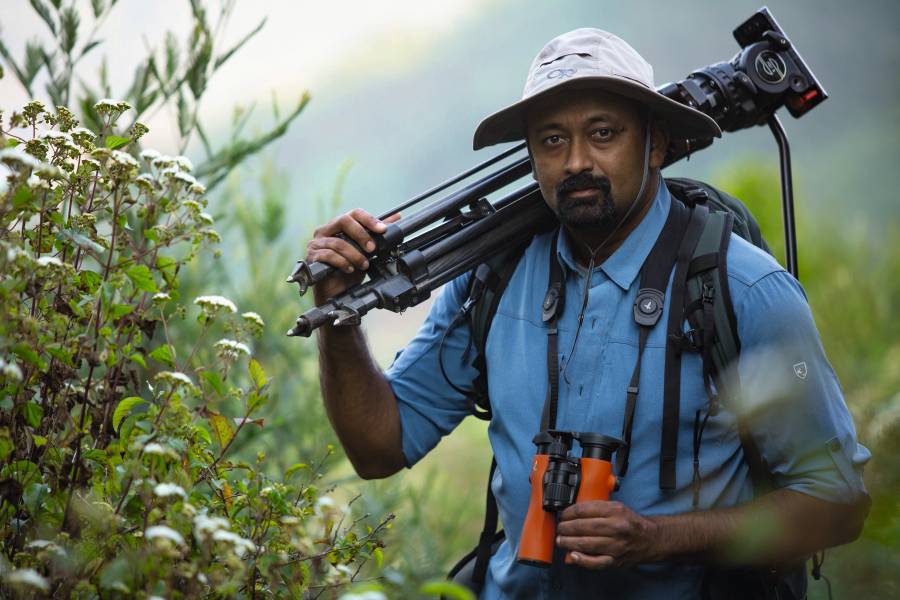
column 397, row 89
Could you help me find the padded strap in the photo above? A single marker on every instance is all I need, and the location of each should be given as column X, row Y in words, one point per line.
column 672, row 378
column 648, row 308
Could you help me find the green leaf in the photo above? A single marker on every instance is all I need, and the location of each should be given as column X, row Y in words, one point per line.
column 255, row 400
column 124, row 409
column 96, row 455
column 34, row 497
column 142, row 278
column 69, row 20
column 378, row 555
column 6, row 448
column 164, row 354
column 294, row 468
column 221, row 60
column 23, row 197
column 257, row 373
column 221, row 429
column 114, row 142
column 446, row 589
column 203, row 433
column 213, row 379
column 44, row 11
column 120, row 310
column 138, row 359
column 79, row 239
column 12, row 143
column 26, row 353
column 39, row 440
column 91, row 280
column 33, row 413
column 97, row 7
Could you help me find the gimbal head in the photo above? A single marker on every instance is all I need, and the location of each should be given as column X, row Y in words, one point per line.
column 457, row 232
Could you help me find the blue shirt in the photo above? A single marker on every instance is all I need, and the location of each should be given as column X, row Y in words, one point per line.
column 791, row 400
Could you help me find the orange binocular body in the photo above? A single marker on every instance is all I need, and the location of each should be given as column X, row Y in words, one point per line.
column 559, row 480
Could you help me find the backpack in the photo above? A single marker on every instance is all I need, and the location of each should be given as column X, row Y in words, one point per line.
column 700, row 287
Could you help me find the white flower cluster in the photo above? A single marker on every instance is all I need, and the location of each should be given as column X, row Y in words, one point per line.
column 367, row 595
column 45, row 261
column 218, row 529
column 28, row 577
column 252, row 317
column 17, row 157
column 232, row 348
column 108, row 105
column 124, row 159
column 175, row 378
column 149, row 155
column 60, row 139
column 164, row 532
column 164, row 490
column 212, row 304
column 10, row 370
column 159, row 450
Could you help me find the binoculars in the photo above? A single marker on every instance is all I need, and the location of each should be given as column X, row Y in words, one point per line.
column 558, row 481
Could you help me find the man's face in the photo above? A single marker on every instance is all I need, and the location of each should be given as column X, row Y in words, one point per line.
column 588, row 152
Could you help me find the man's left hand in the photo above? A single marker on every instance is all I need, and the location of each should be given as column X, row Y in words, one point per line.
column 600, row 534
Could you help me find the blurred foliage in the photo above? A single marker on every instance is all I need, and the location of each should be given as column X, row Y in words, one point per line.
column 850, row 278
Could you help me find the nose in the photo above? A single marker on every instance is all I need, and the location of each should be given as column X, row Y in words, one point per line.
column 578, row 159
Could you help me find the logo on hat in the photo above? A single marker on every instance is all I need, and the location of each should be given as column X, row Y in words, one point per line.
column 800, row 370
column 770, row 67
column 561, row 73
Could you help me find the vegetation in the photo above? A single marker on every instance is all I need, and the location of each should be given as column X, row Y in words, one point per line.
column 158, row 438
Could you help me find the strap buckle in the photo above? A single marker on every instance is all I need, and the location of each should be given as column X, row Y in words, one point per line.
column 551, row 303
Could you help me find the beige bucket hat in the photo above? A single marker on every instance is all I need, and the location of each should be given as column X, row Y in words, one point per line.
column 593, row 59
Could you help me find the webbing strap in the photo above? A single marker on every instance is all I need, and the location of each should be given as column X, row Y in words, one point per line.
column 653, row 283
column 672, row 377
column 488, row 533
column 551, row 309
column 630, row 405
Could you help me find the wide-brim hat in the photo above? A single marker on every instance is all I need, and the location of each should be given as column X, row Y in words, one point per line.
column 593, row 59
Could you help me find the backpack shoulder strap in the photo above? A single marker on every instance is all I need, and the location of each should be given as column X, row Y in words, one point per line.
column 486, row 288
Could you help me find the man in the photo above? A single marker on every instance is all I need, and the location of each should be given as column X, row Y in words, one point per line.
column 597, row 134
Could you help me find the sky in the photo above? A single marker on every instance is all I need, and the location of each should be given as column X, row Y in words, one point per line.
column 301, row 47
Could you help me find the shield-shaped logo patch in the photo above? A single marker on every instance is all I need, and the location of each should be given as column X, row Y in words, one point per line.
column 800, row 370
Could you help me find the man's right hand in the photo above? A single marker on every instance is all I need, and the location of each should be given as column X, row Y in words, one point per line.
column 358, row 399
column 351, row 264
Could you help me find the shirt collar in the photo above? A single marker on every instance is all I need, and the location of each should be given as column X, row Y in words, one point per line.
column 626, row 262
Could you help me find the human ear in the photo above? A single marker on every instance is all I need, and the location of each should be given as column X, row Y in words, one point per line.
column 659, row 144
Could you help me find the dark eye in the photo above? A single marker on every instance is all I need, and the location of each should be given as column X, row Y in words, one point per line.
column 552, row 140
column 603, row 134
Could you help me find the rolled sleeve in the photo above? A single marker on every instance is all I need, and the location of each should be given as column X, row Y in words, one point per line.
column 791, row 399
column 429, row 406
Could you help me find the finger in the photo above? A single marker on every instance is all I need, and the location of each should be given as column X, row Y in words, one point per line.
column 343, row 248
column 588, row 544
column 355, row 228
column 367, row 220
column 330, row 257
column 583, row 527
column 393, row 218
column 592, row 561
column 591, row 509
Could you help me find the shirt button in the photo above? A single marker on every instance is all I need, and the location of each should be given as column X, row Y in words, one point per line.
column 834, row 445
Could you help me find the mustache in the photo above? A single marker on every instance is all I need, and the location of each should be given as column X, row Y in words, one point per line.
column 582, row 181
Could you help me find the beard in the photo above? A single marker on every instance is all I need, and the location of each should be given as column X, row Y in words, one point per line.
column 593, row 212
